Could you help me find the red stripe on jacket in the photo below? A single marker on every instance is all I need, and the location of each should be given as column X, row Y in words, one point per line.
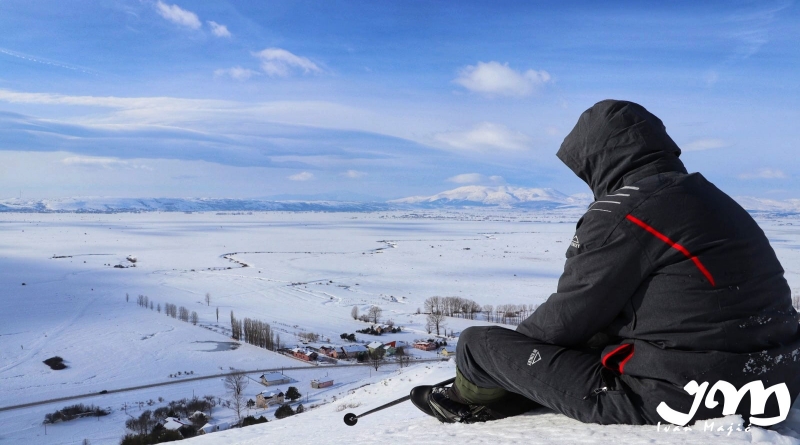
column 674, row 245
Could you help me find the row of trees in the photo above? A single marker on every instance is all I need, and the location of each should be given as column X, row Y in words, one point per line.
column 171, row 310
column 437, row 308
column 254, row 332
column 509, row 313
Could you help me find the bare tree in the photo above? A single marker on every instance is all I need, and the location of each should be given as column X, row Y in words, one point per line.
column 194, row 318
column 488, row 309
column 127, row 297
column 376, row 358
column 354, row 312
column 217, row 314
column 208, row 299
column 435, row 321
column 374, row 313
column 235, row 385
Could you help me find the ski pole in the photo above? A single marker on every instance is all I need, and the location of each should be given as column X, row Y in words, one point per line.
column 351, row 419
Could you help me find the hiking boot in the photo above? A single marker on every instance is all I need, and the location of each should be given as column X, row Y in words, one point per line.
column 447, row 406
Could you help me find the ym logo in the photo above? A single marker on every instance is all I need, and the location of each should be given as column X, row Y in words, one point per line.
column 575, row 243
column 535, row 357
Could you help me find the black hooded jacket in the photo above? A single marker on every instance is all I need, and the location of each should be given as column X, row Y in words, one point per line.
column 670, row 268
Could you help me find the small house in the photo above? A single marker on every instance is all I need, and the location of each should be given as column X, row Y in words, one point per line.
column 425, row 345
column 352, row 351
column 304, row 354
column 376, row 345
column 447, row 351
column 267, row 398
column 208, row 428
column 321, row 384
column 274, row 378
column 330, row 351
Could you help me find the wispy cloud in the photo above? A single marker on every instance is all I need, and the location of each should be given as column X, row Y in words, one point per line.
column 475, row 178
column 753, row 27
column 218, row 30
column 483, row 136
column 497, row 79
column 178, row 15
column 764, row 173
column 704, row 144
column 302, row 176
column 236, row 73
column 99, row 162
column 354, row 174
column 42, row 61
column 281, row 63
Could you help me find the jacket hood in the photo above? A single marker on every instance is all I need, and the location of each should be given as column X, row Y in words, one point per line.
column 617, row 143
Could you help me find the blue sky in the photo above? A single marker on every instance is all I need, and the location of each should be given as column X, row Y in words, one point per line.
column 139, row 98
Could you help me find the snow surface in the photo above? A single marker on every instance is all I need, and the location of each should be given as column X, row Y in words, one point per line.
column 305, row 273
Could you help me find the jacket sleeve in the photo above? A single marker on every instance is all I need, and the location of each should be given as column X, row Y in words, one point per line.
column 597, row 283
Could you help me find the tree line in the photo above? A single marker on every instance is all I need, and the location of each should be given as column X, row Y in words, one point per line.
column 170, row 310
column 254, row 332
column 437, row 308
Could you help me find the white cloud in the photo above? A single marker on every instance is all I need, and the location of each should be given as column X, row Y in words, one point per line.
column 466, row 178
column 303, row 176
column 237, row 73
column 178, row 15
column 496, row 79
column 98, row 162
column 281, row 63
column 764, row 173
column 485, row 135
column 218, row 30
column 354, row 174
column 704, row 144
column 475, row 178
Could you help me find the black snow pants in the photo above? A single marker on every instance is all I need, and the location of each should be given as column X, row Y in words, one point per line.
column 569, row 381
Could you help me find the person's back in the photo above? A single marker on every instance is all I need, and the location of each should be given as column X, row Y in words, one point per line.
column 667, row 281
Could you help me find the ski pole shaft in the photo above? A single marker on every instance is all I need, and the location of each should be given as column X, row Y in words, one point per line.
column 351, row 419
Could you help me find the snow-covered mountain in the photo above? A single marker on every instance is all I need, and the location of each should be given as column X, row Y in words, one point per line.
column 110, row 205
column 500, row 196
column 471, row 196
column 768, row 205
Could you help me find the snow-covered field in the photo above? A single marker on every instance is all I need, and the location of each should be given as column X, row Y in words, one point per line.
column 305, row 272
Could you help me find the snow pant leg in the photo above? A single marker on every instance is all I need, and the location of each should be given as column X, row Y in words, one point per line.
column 556, row 377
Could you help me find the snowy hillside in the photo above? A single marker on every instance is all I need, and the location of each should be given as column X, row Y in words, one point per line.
column 500, row 196
column 404, row 424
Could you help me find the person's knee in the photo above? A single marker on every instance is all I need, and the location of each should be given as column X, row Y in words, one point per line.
column 469, row 337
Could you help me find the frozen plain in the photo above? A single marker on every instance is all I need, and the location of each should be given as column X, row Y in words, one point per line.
column 305, row 273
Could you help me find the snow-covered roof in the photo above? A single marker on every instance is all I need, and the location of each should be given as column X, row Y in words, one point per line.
column 303, row 351
column 375, row 345
column 273, row 376
column 269, row 394
column 354, row 348
column 208, row 428
column 172, row 423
